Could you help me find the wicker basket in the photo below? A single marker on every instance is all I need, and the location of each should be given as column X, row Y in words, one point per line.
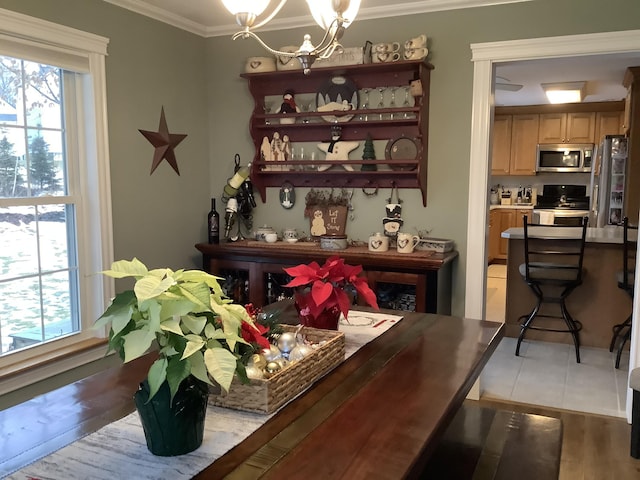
column 267, row 395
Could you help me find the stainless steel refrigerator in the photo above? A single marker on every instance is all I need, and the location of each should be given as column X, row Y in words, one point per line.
column 609, row 181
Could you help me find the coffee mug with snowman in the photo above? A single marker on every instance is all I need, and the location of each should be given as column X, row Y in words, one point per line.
column 406, row 242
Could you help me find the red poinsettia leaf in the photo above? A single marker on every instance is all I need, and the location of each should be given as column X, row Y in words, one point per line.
column 299, row 281
column 363, row 289
column 320, row 292
column 351, row 272
column 303, row 270
column 344, row 303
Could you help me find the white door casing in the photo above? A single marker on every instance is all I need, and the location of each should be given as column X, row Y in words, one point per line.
column 485, row 57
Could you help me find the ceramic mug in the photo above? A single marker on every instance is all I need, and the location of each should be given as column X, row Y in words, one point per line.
column 406, row 242
column 386, row 47
column 378, row 243
column 383, row 57
column 415, row 53
column 417, row 42
column 290, row 235
column 286, row 62
column 260, row 64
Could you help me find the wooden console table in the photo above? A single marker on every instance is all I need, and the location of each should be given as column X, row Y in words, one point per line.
column 428, row 271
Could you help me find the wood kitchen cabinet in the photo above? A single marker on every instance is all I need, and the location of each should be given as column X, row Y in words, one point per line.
column 421, row 280
column 501, row 219
column 515, row 138
column 574, row 127
column 608, row 123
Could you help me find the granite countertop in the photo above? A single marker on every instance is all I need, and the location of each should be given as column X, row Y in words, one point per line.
column 594, row 235
column 515, row 205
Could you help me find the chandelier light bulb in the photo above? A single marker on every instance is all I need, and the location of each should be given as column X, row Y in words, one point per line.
column 253, row 7
column 326, row 11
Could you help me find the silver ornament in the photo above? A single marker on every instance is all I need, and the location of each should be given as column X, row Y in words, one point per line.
column 286, row 342
column 299, row 352
column 272, row 353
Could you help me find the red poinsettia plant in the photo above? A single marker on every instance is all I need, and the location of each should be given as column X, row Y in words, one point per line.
column 324, row 286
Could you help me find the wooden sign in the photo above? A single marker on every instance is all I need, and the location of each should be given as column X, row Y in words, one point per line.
column 328, row 220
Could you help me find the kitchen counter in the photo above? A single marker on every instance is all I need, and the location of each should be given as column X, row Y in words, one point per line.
column 612, row 235
column 515, row 205
column 598, row 303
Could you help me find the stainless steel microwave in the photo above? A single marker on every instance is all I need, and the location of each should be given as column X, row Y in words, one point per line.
column 564, row 157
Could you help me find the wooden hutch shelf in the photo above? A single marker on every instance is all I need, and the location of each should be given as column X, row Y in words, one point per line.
column 404, row 121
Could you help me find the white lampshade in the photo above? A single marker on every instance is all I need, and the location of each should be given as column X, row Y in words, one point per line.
column 325, row 11
column 254, row 7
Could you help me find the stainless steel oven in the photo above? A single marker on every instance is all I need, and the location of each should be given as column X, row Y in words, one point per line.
column 559, row 216
column 561, row 205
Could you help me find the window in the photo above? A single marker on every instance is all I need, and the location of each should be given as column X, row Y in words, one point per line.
column 55, row 226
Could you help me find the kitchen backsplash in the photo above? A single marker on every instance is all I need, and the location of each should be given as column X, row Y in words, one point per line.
column 513, row 183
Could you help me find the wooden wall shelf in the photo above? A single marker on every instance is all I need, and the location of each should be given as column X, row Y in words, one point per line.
column 410, row 121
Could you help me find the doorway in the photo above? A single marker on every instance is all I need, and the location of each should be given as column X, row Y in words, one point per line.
column 485, row 57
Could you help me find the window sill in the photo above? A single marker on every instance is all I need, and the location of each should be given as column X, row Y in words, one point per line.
column 24, row 373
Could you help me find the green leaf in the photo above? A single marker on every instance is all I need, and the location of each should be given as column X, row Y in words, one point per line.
column 126, row 268
column 221, row 365
column 172, row 325
column 136, row 343
column 175, row 308
column 194, row 344
column 198, row 368
column 177, row 371
column 118, row 313
column 150, row 287
column 198, row 293
column 194, row 324
column 156, row 376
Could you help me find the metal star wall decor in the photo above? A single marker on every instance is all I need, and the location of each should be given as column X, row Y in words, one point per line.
column 165, row 143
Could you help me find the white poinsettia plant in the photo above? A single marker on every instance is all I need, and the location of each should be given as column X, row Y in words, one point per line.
column 196, row 328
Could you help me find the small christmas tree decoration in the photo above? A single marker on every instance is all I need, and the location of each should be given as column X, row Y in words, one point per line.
column 369, row 153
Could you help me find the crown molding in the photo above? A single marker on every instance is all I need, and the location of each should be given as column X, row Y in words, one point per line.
column 285, row 23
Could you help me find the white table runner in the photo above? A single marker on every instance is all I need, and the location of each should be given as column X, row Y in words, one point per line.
column 119, row 450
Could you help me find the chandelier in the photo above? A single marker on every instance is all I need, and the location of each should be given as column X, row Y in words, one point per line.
column 334, row 16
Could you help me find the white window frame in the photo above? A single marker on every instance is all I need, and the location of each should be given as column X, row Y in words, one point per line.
column 37, row 40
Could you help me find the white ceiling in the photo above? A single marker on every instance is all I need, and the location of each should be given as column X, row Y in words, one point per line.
column 603, row 74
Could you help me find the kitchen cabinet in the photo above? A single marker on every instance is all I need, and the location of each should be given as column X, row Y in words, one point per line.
column 515, row 138
column 401, row 123
column 501, row 219
column 574, row 127
column 420, row 280
column 608, row 123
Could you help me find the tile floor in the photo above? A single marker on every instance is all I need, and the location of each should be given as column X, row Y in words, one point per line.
column 546, row 373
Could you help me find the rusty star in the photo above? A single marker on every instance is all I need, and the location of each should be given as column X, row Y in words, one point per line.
column 165, row 143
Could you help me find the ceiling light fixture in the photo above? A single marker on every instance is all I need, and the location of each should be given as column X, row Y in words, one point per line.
column 565, row 92
column 334, row 16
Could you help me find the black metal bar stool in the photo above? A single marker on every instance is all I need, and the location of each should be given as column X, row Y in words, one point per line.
column 626, row 278
column 552, row 270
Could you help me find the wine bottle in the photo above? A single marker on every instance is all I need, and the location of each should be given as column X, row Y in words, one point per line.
column 214, row 223
column 235, row 182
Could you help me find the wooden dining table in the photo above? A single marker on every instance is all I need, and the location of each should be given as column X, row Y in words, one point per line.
column 378, row 415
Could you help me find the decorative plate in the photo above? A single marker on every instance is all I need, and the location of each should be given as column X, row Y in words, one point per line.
column 402, row 148
column 339, row 93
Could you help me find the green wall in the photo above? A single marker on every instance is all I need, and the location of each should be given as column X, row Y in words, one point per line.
column 159, row 218
column 450, row 34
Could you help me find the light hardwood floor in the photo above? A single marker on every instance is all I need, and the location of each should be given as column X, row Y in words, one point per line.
column 594, row 447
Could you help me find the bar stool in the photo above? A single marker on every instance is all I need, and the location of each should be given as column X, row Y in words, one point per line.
column 626, row 278
column 552, row 270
